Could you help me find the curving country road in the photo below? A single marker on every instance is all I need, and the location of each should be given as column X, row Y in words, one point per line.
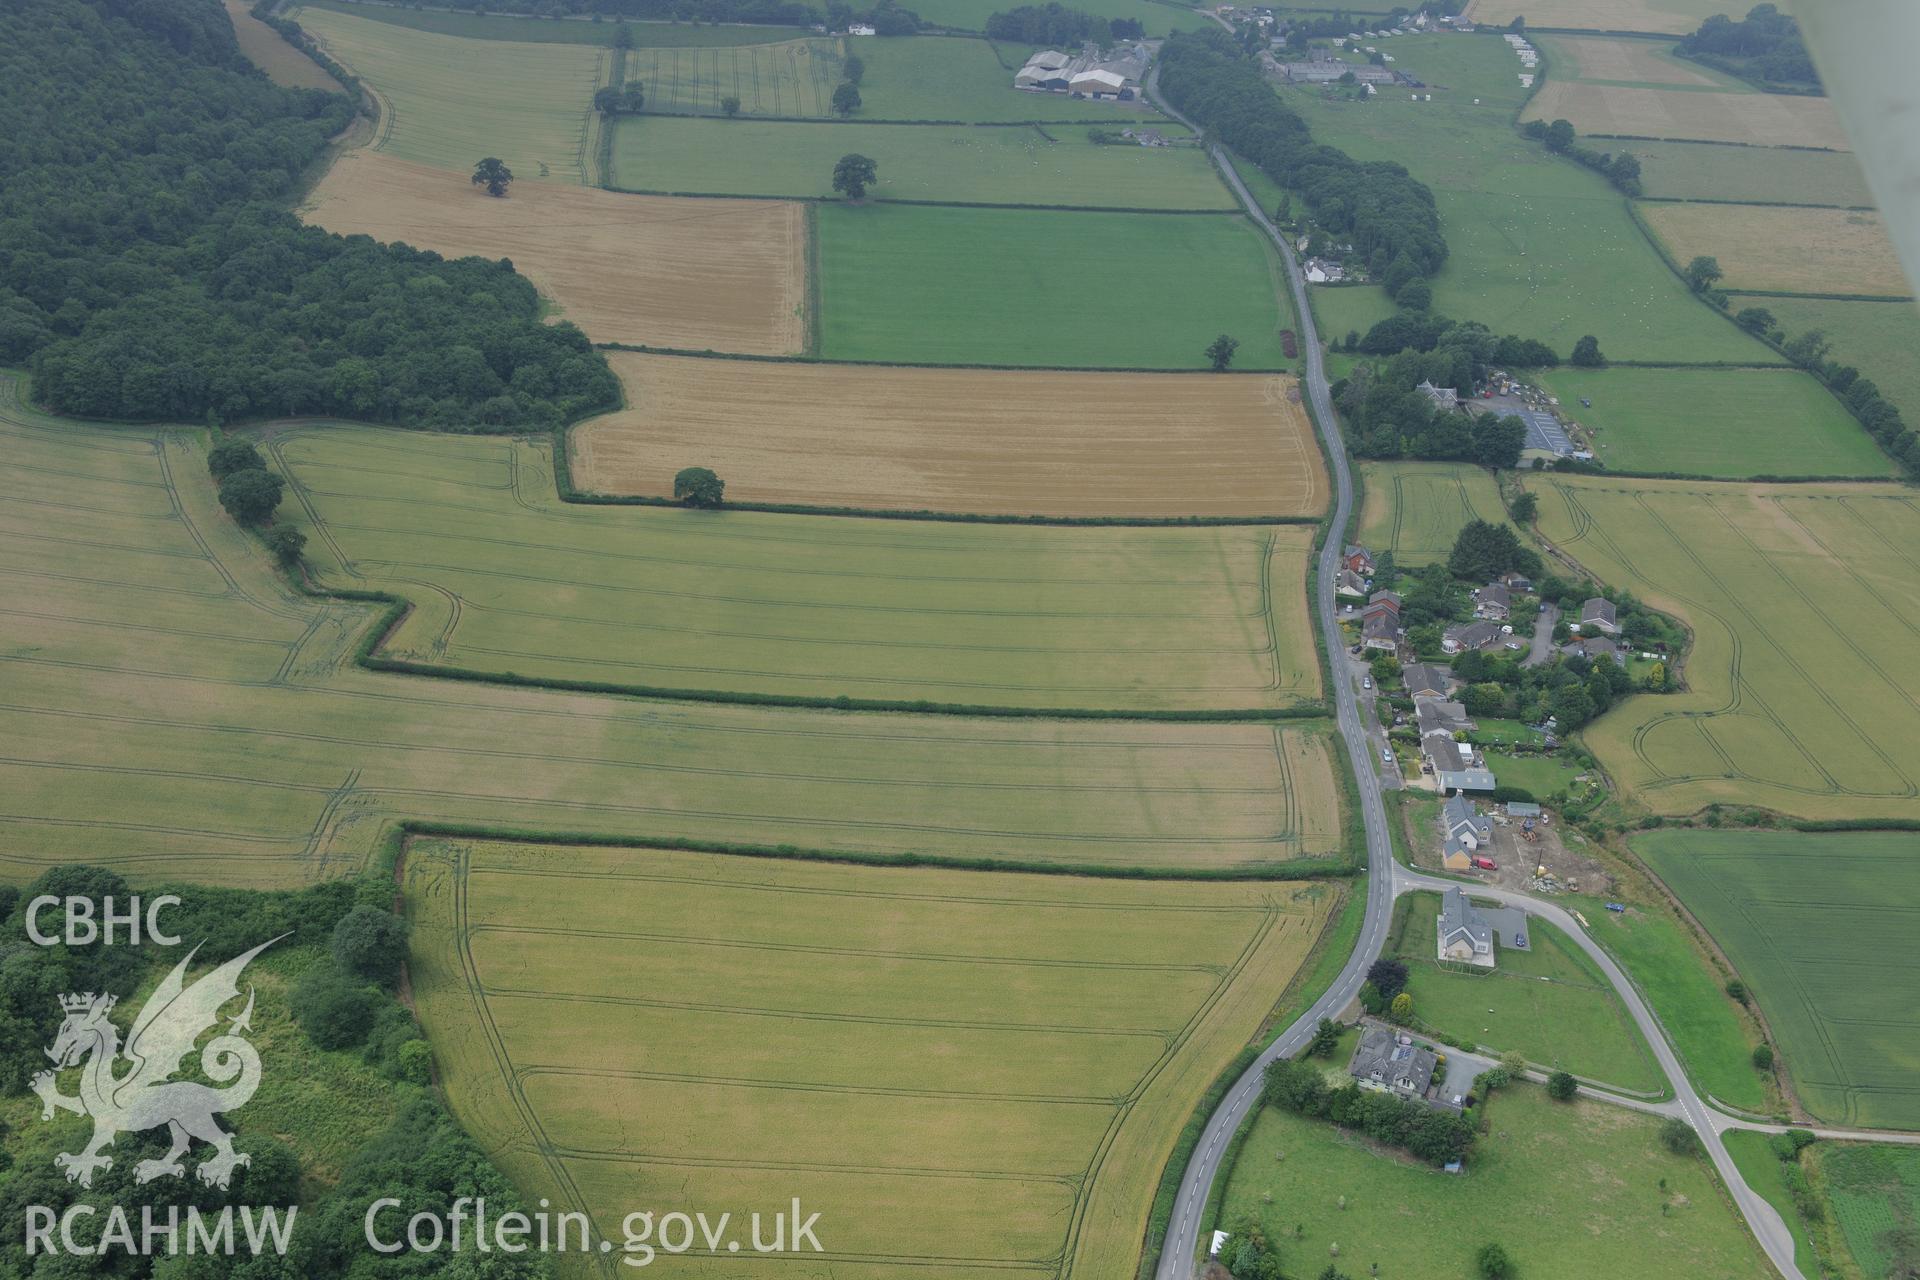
column 1386, row 879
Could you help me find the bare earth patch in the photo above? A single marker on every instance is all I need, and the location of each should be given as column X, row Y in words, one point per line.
column 285, row 65
column 727, row 275
column 1791, row 250
column 1756, row 119
column 991, row 443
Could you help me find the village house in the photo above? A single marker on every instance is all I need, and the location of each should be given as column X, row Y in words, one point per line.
column 1389, row 1062
column 1492, row 603
column 1359, row 560
column 1593, row 647
column 1427, row 680
column 1437, row 715
column 1465, row 937
column 1455, row 856
column 1515, row 582
column 1349, row 583
column 1380, row 631
column 1442, row 397
column 1324, row 271
column 1469, row 637
column 1465, row 823
column 1598, row 615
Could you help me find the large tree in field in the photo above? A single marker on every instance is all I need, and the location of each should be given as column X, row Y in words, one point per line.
column 1220, row 352
column 250, row 496
column 493, row 174
column 853, row 175
column 846, row 99
column 1586, row 354
column 1703, row 271
column 699, row 487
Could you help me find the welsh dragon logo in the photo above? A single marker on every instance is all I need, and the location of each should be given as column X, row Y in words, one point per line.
column 143, row 1095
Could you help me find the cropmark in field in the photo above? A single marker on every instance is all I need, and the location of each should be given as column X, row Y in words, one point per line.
column 1820, row 928
column 1784, row 250
column 729, row 275
column 796, row 78
column 505, row 578
column 1417, row 509
column 1801, row 600
column 960, row 1073
column 449, row 101
column 212, row 725
column 959, row 440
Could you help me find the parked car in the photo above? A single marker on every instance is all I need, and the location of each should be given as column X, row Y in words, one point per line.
column 1486, row 864
column 1386, row 755
column 1366, row 682
column 1616, row 906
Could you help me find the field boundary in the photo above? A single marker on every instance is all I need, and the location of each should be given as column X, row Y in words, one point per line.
column 1291, row 869
column 1818, row 297
column 934, row 204
column 709, row 354
column 1758, row 204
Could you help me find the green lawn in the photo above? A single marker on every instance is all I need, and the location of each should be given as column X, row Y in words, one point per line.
column 1345, row 309
column 504, row 26
column 1571, row 1191
column 1719, row 171
column 1020, row 287
column 1551, row 1003
column 959, row 79
column 1542, row 775
column 1872, row 1190
column 1726, row 423
column 1011, row 164
column 1688, row 996
column 1821, row 929
column 1877, row 338
column 1490, row 731
column 1537, row 245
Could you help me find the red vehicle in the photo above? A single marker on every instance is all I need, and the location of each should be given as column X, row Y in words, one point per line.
column 1486, row 864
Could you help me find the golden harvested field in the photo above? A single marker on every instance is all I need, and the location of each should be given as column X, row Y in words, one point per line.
column 1628, row 60
column 449, row 101
column 729, row 275
column 285, row 65
column 1756, row 119
column 963, row 1073
column 984, row 442
column 171, row 708
column 1665, row 17
column 1787, row 250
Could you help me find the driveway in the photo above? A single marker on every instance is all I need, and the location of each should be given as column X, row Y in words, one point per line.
column 1542, row 647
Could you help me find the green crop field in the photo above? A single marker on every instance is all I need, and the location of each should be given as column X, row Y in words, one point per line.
column 206, row 723
column 792, row 79
column 958, row 1072
column 1538, row 246
column 448, row 101
column 1551, row 1003
column 960, row 80
column 507, row 26
column 1877, row 338
column 965, row 164
column 506, row 578
column 1005, row 286
column 1574, row 1191
column 1158, row 16
column 1719, row 171
column 1349, row 309
column 1700, row 1019
column 1800, row 599
column 1873, row 1191
column 1726, row 423
column 1416, row 509
column 1820, row 927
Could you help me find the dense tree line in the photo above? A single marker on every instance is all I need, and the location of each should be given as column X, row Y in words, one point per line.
column 1622, row 170
column 149, row 267
column 1765, row 47
column 1389, row 217
column 1434, row 1136
column 1388, row 417
column 1858, row 393
column 888, row 17
column 1056, row 24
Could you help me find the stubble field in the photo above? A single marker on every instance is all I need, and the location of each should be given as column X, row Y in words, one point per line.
column 969, row 441
column 1819, row 927
column 698, row 274
column 1755, row 119
column 1416, row 509
column 1785, row 250
column 1800, row 600
column 959, row 1072
column 210, row 725
column 506, row 578
column 1646, row 63
column 449, row 101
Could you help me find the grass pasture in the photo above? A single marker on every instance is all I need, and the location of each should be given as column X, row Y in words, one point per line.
column 1158, row 16
column 1716, row 171
column 960, row 80
column 1656, row 17
column 1537, row 245
column 1551, row 1003
column 1416, row 509
column 794, row 79
column 959, row 440
column 1872, row 1190
column 285, row 65
column 698, row 274
column 1785, row 250
column 447, row 101
column 1727, row 423
column 1800, row 599
column 1698, row 115
column 1002, row 164
column 1353, row 308
column 211, row 725
column 506, row 578
column 1878, row 338
column 530, row 30
column 937, row 286
column 1819, row 927
column 960, row 1073
column 1574, row 1191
